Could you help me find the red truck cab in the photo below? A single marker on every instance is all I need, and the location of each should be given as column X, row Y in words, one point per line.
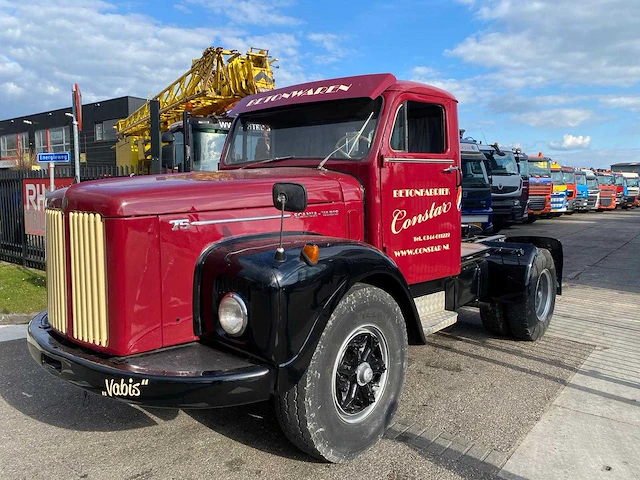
column 329, row 238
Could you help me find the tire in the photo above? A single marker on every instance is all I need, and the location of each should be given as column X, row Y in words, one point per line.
column 530, row 319
column 494, row 319
column 531, row 218
column 498, row 224
column 314, row 414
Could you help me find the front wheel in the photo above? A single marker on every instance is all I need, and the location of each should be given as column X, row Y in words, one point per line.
column 529, row 319
column 347, row 397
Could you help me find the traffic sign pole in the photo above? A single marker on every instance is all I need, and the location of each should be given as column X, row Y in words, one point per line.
column 76, row 149
column 52, row 184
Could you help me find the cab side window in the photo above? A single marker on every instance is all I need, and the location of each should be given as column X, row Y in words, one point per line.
column 419, row 128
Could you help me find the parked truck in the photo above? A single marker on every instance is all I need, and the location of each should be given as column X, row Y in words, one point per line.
column 559, row 195
column 581, row 195
column 540, row 187
column 476, row 188
column 593, row 200
column 633, row 187
column 569, row 177
column 608, row 190
column 622, row 191
column 328, row 240
column 506, row 186
column 522, row 159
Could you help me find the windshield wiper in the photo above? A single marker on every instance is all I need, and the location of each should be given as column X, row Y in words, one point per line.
column 346, row 141
column 268, row 160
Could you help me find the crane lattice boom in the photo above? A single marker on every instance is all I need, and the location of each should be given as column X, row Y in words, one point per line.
column 215, row 82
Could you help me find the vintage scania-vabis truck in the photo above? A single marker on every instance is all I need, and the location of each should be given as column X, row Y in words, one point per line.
column 298, row 278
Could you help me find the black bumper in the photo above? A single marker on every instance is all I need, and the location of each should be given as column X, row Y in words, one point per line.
column 187, row 376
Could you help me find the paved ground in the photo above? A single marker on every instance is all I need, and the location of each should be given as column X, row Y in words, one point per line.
column 472, row 402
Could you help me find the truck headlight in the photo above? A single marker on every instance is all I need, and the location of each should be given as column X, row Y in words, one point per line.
column 232, row 314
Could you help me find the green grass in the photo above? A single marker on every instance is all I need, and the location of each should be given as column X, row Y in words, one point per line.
column 22, row 290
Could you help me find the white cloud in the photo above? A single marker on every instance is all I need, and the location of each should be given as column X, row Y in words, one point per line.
column 556, row 41
column 250, row 12
column 332, row 43
column 555, row 118
column 571, row 142
column 465, row 91
column 627, row 102
column 110, row 54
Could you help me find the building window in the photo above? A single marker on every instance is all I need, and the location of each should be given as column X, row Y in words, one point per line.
column 13, row 143
column 105, row 130
column 59, row 140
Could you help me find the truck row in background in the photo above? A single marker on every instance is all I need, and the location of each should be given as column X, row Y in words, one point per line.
column 503, row 186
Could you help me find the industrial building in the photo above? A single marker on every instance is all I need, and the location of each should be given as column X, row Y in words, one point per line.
column 630, row 167
column 23, row 137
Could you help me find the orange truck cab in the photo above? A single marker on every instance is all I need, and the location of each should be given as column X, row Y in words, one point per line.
column 329, row 238
column 540, row 187
column 608, row 190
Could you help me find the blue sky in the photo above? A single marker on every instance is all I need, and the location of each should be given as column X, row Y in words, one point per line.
column 555, row 76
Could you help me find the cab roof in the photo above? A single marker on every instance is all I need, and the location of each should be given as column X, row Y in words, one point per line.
column 360, row 86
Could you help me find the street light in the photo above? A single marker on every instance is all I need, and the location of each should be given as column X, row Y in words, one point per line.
column 76, row 146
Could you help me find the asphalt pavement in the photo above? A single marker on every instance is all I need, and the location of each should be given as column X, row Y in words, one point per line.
column 474, row 406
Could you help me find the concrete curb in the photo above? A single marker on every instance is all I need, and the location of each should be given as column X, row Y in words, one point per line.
column 16, row 318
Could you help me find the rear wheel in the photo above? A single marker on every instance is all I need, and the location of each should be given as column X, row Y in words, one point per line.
column 347, row 397
column 494, row 319
column 531, row 218
column 530, row 319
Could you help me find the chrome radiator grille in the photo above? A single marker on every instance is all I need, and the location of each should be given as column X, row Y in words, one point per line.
column 88, row 278
column 56, row 270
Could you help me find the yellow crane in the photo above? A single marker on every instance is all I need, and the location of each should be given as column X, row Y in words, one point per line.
column 212, row 86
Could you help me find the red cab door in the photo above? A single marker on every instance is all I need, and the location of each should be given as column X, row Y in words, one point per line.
column 420, row 188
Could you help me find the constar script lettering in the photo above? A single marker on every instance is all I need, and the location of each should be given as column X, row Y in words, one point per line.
column 300, row 93
column 402, row 222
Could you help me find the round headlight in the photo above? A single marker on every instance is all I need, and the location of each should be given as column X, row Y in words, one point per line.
column 232, row 314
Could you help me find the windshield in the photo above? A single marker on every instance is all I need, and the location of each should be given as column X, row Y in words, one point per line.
column 606, row 180
column 523, row 165
column 633, row 182
column 305, row 131
column 207, row 148
column 501, row 165
column 539, row 168
column 569, row 177
column 557, row 178
column 474, row 174
column 581, row 179
column 592, row 182
column 619, row 180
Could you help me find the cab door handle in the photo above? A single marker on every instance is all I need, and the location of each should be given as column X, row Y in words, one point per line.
column 451, row 169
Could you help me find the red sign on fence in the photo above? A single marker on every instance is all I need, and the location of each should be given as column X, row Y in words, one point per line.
column 33, row 195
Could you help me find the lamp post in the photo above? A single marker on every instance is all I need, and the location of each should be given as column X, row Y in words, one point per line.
column 76, row 146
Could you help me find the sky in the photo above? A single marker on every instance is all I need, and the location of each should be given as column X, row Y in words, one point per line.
column 554, row 76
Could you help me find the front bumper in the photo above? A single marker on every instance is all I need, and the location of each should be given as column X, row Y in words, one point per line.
column 193, row 375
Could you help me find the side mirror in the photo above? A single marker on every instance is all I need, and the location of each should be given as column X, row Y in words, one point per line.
column 290, row 196
column 168, row 137
column 168, row 155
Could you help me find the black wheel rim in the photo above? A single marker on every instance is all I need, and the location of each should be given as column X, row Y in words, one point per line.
column 360, row 373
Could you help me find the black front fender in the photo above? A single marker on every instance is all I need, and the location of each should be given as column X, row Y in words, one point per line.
column 553, row 245
column 289, row 302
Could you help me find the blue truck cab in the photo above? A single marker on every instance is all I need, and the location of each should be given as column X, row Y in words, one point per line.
column 581, row 203
column 476, row 187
